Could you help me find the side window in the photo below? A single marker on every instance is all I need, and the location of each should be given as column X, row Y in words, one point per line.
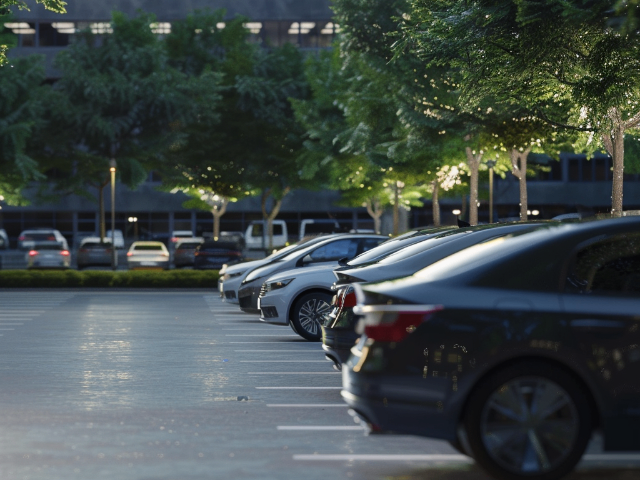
column 610, row 266
column 256, row 230
column 369, row 243
column 277, row 229
column 335, row 251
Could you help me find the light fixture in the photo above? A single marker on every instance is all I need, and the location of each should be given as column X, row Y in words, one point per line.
column 160, row 28
column 64, row 27
column 99, row 28
column 302, row 28
column 22, row 28
column 535, row 212
column 328, row 29
column 456, row 212
column 254, row 27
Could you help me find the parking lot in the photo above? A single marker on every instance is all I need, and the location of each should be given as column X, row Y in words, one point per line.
column 179, row 385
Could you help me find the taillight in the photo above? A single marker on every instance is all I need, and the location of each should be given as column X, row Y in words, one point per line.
column 21, row 238
column 64, row 253
column 174, row 239
column 33, row 253
column 393, row 323
column 164, row 254
column 349, row 299
column 129, row 254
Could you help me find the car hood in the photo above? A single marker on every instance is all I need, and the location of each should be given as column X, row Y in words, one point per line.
column 320, row 271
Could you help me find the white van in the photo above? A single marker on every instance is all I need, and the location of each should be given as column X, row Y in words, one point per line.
column 257, row 230
column 318, row 227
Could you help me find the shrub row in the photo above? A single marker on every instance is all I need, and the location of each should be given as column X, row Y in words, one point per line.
column 108, row 279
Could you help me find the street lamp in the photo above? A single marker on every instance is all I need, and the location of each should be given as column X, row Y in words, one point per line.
column 114, row 257
column 134, row 220
column 491, row 164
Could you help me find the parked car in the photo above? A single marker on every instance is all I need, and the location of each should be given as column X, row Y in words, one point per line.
column 285, row 299
column 213, row 254
column 514, row 350
column 338, row 327
column 256, row 236
column 118, row 238
column 178, row 236
column 326, row 250
column 28, row 238
column 93, row 252
column 318, row 227
column 48, row 254
column 4, row 239
column 232, row 276
column 184, row 255
column 148, row 255
column 235, row 237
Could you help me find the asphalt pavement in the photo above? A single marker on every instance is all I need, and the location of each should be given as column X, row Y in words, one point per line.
column 179, row 385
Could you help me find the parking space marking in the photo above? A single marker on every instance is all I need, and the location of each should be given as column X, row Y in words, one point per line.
column 613, row 457
column 307, row 405
column 315, row 351
column 283, row 361
column 320, row 428
column 303, row 341
column 261, row 335
column 298, row 388
column 294, row 373
column 434, row 457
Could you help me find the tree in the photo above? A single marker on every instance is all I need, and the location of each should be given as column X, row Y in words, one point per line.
column 585, row 80
column 22, row 105
column 118, row 98
column 53, row 5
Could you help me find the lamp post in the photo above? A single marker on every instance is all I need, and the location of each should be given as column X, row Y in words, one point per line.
column 134, row 220
column 114, row 256
column 491, row 164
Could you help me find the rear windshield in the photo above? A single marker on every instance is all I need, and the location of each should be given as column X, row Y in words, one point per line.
column 189, row 244
column 49, row 246
column 148, row 247
column 39, row 236
column 95, row 245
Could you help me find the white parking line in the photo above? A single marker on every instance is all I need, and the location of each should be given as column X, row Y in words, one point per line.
column 294, row 373
column 307, row 405
column 245, row 343
column 434, row 457
column 317, row 428
column 263, row 335
column 5, row 324
column 314, row 351
column 298, row 388
column 7, row 328
column 283, row 361
column 613, row 457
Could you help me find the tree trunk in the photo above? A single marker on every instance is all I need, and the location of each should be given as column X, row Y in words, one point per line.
column 103, row 230
column 614, row 143
column 519, row 170
column 375, row 212
column 218, row 211
column 270, row 216
column 473, row 161
column 435, row 203
column 396, row 213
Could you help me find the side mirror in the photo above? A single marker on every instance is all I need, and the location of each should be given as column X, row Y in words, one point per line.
column 343, row 261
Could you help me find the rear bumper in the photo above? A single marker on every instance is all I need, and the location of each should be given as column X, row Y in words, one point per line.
column 337, row 343
column 396, row 404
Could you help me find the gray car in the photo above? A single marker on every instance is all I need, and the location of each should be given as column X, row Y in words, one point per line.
column 94, row 253
column 330, row 250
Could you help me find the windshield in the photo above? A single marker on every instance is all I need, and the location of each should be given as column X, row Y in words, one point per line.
column 420, row 247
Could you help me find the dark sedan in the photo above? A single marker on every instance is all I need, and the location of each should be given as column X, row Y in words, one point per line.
column 213, row 254
column 412, row 254
column 515, row 350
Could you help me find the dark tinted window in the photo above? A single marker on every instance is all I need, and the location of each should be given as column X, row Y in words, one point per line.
column 335, row 250
column 369, row 243
column 95, row 246
column 256, row 229
column 608, row 266
column 148, row 247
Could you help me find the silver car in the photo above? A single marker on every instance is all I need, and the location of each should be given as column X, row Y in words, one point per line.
column 48, row 255
column 94, row 252
column 148, row 255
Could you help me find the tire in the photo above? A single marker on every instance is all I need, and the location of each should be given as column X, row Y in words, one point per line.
column 508, row 437
column 308, row 313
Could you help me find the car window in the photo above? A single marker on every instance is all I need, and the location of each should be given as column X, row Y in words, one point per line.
column 369, row 243
column 420, row 247
column 148, row 247
column 609, row 266
column 334, row 251
column 256, row 229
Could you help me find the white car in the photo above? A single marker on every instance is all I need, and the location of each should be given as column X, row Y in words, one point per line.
column 299, row 298
column 232, row 276
column 148, row 255
column 29, row 238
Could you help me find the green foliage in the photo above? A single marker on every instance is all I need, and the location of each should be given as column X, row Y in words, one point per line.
column 120, row 98
column 107, row 279
column 21, row 110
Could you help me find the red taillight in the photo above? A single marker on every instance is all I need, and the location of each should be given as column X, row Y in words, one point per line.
column 64, row 253
column 129, row 254
column 349, row 299
column 33, row 253
column 21, row 238
column 164, row 254
column 174, row 239
column 393, row 323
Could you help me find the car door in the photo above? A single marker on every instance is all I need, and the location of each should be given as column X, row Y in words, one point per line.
column 602, row 299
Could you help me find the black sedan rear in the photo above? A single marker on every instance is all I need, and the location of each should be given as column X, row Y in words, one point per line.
column 213, row 254
column 515, row 350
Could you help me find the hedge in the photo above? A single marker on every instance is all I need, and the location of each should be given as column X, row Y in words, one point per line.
column 108, row 279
